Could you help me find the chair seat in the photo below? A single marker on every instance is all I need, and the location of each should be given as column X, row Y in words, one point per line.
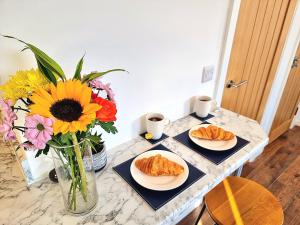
column 241, row 201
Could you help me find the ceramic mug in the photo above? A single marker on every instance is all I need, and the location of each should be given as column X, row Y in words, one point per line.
column 203, row 105
column 155, row 123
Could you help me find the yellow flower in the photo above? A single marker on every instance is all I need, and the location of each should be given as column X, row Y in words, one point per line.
column 148, row 136
column 68, row 104
column 23, row 84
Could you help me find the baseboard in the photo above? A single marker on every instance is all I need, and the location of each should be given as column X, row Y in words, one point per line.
column 295, row 122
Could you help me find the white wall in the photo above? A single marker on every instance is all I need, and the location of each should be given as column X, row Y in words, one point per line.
column 232, row 18
column 163, row 44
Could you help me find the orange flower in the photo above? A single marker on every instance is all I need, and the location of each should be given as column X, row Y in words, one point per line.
column 108, row 110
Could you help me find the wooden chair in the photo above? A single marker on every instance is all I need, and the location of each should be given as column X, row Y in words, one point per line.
column 241, row 201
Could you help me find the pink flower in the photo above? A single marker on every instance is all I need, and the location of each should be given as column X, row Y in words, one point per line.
column 38, row 130
column 7, row 118
column 106, row 87
column 27, row 146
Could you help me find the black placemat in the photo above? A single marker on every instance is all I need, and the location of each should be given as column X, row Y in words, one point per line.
column 152, row 141
column 202, row 118
column 216, row 157
column 157, row 199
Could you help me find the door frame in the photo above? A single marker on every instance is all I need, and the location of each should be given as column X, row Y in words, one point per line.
column 283, row 69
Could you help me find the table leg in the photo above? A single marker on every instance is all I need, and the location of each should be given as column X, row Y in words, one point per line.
column 201, row 213
column 238, row 172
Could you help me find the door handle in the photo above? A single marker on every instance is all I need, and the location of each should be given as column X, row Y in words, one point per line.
column 295, row 62
column 232, row 84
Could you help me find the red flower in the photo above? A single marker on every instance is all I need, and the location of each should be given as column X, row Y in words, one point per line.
column 108, row 111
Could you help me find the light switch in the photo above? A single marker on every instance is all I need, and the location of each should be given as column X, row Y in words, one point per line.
column 207, row 74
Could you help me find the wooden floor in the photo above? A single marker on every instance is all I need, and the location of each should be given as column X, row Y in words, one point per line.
column 278, row 169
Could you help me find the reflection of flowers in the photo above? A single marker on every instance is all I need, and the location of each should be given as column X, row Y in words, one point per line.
column 28, row 146
column 105, row 87
column 108, row 110
column 38, row 130
column 7, row 118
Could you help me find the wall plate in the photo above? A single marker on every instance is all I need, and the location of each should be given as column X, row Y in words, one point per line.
column 207, row 74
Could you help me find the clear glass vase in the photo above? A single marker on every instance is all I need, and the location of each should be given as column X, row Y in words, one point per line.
column 76, row 176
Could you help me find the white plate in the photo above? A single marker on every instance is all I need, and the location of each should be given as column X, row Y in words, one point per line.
column 210, row 144
column 160, row 183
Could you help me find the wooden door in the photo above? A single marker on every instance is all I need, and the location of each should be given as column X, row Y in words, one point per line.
column 258, row 42
column 289, row 101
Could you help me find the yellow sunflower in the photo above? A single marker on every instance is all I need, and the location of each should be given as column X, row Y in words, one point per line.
column 68, row 104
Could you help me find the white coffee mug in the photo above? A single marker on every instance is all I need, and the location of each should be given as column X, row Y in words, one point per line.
column 203, row 105
column 155, row 123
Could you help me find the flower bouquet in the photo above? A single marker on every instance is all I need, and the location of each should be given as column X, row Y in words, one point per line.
column 60, row 115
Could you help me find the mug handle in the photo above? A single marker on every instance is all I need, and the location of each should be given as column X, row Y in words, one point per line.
column 214, row 105
column 166, row 121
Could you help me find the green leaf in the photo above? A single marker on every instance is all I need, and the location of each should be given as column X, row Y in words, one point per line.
column 53, row 143
column 94, row 138
column 48, row 74
column 108, row 127
column 47, row 61
column 91, row 144
column 8, row 36
column 66, row 139
column 94, row 75
column 43, row 58
column 24, row 49
column 46, row 150
column 39, row 152
column 77, row 74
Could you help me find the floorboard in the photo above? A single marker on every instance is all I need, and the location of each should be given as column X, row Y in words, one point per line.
column 278, row 169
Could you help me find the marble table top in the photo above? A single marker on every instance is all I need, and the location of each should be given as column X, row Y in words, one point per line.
column 118, row 202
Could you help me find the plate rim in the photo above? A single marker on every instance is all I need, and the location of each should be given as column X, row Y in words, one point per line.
column 215, row 150
column 160, row 189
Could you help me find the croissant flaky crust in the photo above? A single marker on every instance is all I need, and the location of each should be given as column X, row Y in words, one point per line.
column 213, row 133
column 158, row 165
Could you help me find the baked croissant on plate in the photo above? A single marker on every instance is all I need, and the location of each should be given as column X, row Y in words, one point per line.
column 212, row 133
column 158, row 165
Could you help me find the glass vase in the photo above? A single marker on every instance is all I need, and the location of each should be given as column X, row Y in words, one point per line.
column 76, row 176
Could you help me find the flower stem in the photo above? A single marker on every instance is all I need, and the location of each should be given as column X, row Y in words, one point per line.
column 80, row 165
column 19, row 108
column 26, row 103
column 69, row 195
column 21, row 127
column 61, row 159
column 74, row 195
column 73, row 183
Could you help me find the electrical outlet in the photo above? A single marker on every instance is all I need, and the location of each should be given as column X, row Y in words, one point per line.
column 207, row 74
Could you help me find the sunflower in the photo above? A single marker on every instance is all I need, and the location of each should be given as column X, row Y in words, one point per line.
column 68, row 104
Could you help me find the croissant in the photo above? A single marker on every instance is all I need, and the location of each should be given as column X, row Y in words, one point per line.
column 159, row 166
column 212, row 133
